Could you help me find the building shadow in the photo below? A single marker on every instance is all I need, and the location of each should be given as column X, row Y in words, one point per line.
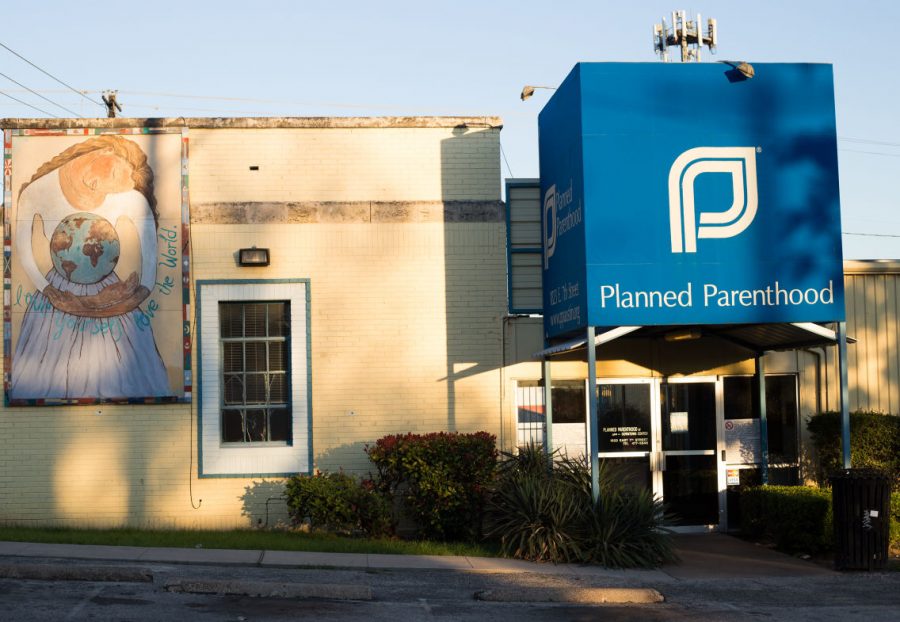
column 474, row 235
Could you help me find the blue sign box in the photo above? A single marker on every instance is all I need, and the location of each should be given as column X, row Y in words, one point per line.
column 687, row 194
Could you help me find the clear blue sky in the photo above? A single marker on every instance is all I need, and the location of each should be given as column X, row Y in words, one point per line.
column 298, row 58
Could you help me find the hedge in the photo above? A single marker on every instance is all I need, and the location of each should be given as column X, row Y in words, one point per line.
column 895, row 520
column 795, row 518
column 874, row 443
column 798, row 518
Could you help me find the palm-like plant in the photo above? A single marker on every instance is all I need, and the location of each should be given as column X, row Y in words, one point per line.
column 542, row 510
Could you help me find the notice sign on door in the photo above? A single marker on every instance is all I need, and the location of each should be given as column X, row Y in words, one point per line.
column 733, row 477
column 678, row 422
column 624, row 438
column 742, row 441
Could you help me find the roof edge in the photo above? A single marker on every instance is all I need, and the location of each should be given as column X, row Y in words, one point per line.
column 491, row 122
column 872, row 266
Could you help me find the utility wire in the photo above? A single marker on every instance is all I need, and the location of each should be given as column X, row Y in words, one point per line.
column 24, row 103
column 183, row 109
column 877, row 153
column 257, row 100
column 503, row 153
column 866, row 141
column 71, row 88
column 39, row 95
column 872, row 235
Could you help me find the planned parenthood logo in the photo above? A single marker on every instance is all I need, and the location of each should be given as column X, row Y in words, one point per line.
column 686, row 223
column 549, row 224
column 560, row 217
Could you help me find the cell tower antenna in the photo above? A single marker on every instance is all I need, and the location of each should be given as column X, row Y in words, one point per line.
column 686, row 35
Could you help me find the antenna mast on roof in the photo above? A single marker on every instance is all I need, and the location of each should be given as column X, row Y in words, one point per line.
column 687, row 35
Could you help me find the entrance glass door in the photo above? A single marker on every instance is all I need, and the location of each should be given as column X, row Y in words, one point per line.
column 690, row 417
column 666, row 436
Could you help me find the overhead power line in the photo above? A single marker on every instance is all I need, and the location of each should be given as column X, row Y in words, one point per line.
column 877, row 153
column 24, row 103
column 866, row 141
column 872, row 235
column 39, row 95
column 49, row 75
column 505, row 161
column 257, row 100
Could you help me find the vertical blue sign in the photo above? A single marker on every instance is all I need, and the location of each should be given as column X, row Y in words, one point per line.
column 686, row 194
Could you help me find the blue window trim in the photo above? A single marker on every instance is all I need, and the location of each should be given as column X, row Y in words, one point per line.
column 510, row 251
column 199, row 385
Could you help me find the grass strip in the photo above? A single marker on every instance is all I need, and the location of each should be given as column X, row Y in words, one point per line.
column 241, row 539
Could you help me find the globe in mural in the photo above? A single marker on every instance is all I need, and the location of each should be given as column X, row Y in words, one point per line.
column 84, row 248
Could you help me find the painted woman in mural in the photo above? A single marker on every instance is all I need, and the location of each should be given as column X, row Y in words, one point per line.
column 83, row 334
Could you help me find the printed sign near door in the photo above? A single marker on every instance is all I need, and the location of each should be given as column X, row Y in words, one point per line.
column 742, row 445
column 624, row 438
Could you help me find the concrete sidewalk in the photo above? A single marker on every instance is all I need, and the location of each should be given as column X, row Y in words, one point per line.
column 706, row 556
column 299, row 559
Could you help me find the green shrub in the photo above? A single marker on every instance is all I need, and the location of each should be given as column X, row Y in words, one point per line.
column 895, row 520
column 547, row 514
column 874, row 443
column 338, row 503
column 442, row 479
column 796, row 518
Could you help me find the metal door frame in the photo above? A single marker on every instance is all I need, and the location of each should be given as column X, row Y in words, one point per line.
column 657, row 456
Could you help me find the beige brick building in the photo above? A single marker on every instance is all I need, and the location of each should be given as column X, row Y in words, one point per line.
column 386, row 237
column 400, row 295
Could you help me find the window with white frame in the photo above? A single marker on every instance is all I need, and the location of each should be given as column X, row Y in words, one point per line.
column 569, row 409
column 255, row 371
column 254, row 379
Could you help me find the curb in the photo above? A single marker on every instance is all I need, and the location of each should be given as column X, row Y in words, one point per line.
column 60, row 572
column 273, row 590
column 582, row 595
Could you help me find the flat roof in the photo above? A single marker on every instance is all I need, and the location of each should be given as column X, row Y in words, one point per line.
column 253, row 122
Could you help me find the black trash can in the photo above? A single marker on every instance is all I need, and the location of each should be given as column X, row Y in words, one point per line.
column 861, row 499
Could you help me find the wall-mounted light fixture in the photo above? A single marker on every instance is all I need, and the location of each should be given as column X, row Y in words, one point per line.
column 253, row 256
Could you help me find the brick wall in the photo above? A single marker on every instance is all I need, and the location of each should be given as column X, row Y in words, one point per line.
column 405, row 326
column 337, row 164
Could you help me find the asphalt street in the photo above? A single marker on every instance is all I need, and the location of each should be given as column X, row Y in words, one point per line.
column 719, row 579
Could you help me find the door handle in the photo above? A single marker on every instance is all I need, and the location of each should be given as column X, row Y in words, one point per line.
column 723, row 455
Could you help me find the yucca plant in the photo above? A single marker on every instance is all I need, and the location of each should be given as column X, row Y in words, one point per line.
column 536, row 518
column 542, row 510
column 624, row 530
column 529, row 461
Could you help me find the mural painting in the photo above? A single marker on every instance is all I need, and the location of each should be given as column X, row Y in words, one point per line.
column 94, row 306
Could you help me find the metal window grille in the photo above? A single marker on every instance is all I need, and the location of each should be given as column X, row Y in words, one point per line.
column 531, row 420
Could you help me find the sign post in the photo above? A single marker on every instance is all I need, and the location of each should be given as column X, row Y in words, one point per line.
column 593, row 432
